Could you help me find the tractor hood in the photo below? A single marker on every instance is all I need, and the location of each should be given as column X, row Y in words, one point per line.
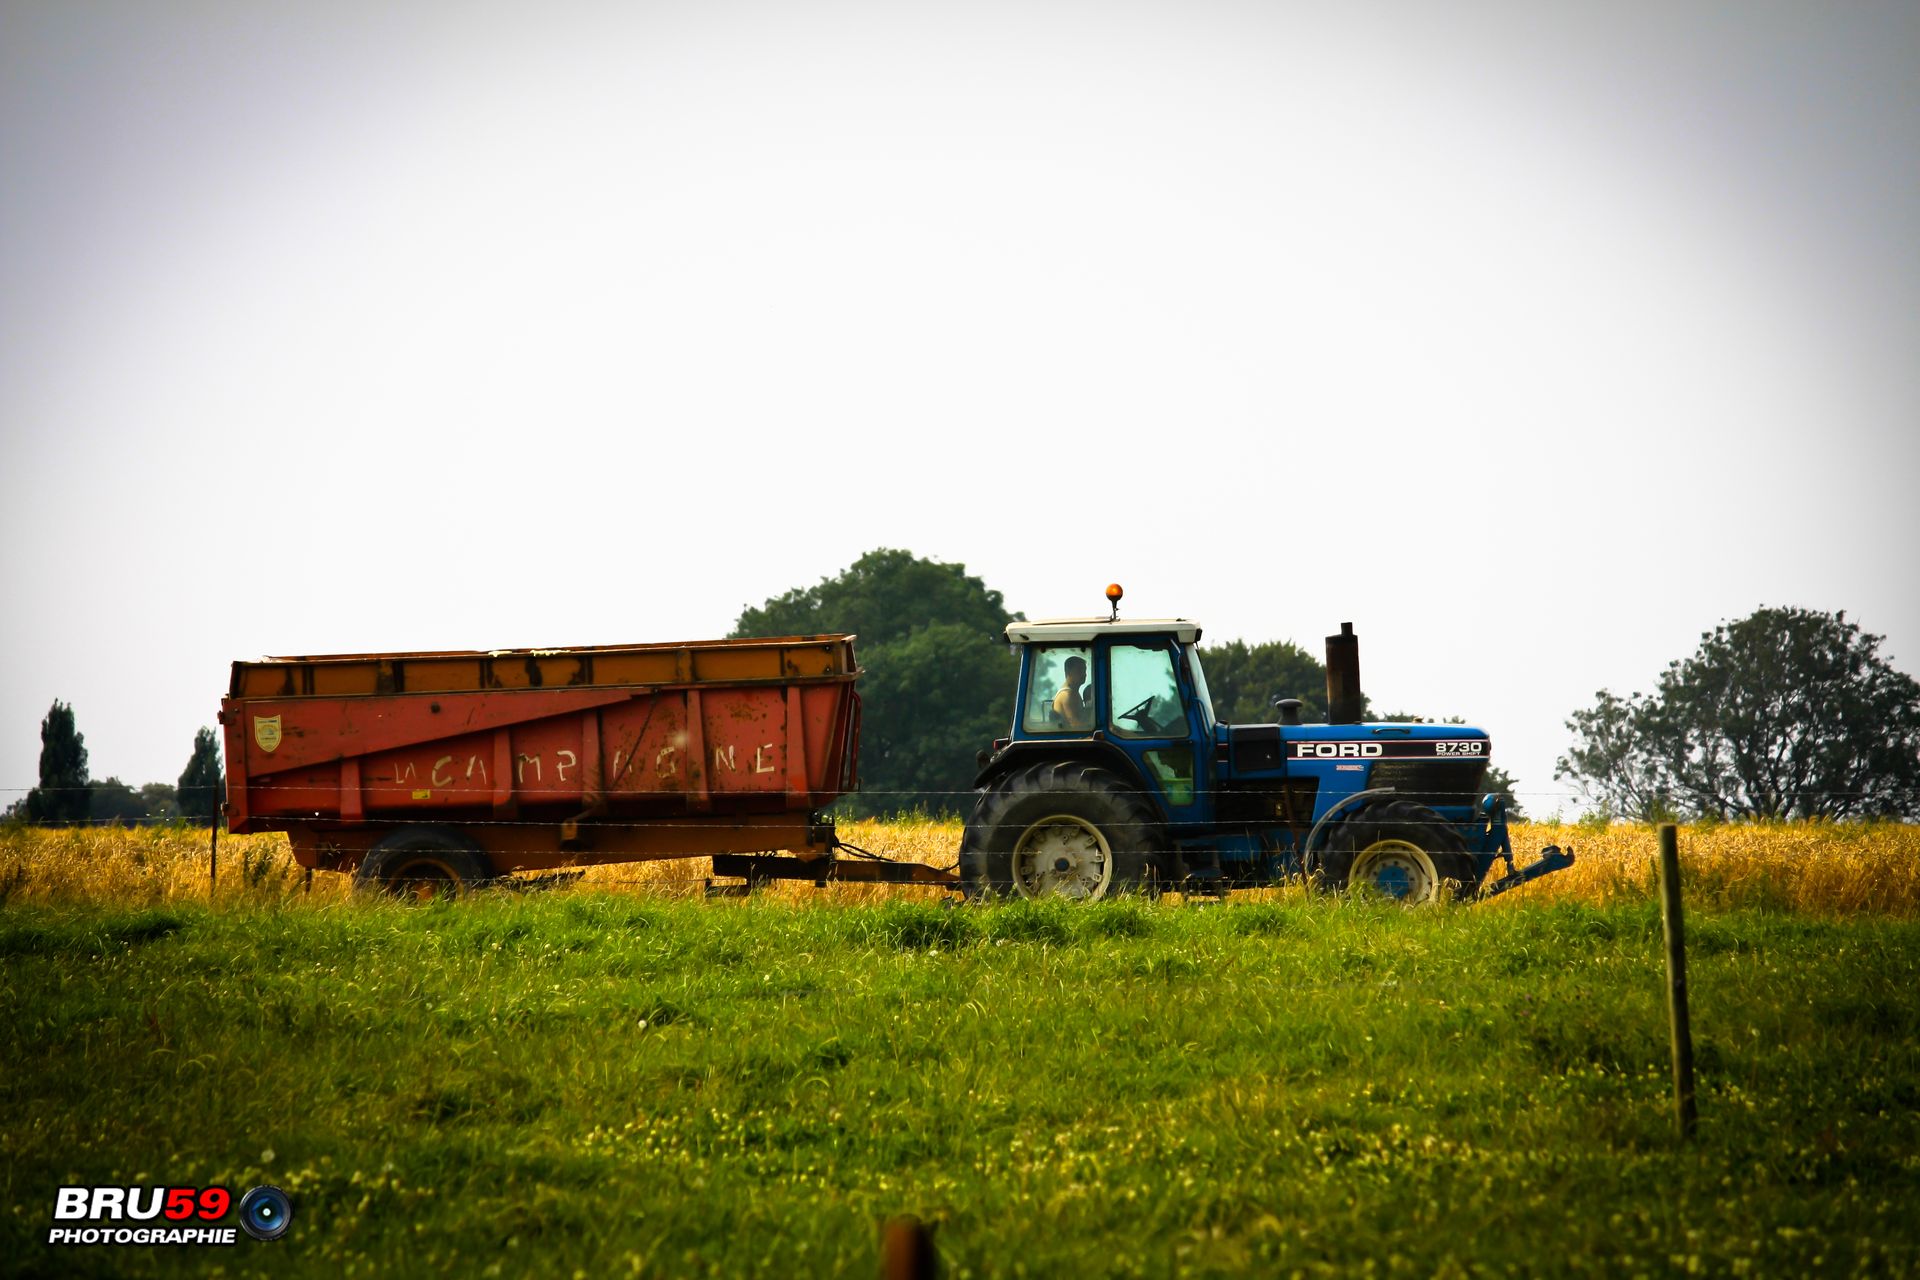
column 1379, row 741
column 1442, row 765
column 1265, row 748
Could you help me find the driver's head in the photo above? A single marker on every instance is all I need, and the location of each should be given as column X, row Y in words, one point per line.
column 1076, row 670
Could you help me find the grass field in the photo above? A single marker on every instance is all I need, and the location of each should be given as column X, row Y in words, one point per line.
column 617, row 1078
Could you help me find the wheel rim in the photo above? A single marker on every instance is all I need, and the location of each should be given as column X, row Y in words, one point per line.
column 424, row 879
column 1062, row 857
column 1397, row 868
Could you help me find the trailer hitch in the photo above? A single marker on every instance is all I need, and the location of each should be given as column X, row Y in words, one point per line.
column 1551, row 859
column 822, row 868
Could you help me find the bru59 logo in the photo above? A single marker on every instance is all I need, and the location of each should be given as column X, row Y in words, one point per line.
column 165, row 1215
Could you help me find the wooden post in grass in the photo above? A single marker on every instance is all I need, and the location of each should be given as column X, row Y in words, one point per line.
column 1684, row 1115
column 213, row 855
column 906, row 1251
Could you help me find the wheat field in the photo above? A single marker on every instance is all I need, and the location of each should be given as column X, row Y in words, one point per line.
column 1823, row 869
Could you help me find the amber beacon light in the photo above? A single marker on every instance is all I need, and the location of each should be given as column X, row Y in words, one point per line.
column 1113, row 598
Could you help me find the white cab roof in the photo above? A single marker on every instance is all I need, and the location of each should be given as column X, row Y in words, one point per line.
column 1084, row 630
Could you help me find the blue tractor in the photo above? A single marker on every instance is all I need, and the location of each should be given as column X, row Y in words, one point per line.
column 1117, row 777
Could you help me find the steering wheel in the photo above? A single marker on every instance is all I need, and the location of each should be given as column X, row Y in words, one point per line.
column 1138, row 714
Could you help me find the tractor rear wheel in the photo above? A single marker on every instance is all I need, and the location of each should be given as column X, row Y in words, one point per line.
column 423, row 863
column 1401, row 849
column 1064, row 830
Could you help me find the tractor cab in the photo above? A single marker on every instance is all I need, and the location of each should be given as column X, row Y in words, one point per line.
column 1131, row 693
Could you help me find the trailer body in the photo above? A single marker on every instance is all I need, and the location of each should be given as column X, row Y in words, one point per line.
column 543, row 758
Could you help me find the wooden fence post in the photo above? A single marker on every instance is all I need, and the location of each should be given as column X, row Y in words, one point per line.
column 906, row 1251
column 1684, row 1115
column 213, row 855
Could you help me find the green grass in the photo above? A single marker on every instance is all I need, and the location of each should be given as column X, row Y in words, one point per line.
column 609, row 1085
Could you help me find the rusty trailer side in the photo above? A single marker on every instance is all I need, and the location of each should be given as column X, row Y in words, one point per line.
column 544, row 758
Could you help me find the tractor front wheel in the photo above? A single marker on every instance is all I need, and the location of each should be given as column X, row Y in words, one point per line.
column 1400, row 849
column 1067, row 830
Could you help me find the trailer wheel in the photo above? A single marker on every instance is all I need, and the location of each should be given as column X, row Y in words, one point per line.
column 429, row 862
column 1063, row 830
column 1403, row 850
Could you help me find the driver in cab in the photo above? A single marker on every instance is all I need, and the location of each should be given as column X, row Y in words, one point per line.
column 1070, row 704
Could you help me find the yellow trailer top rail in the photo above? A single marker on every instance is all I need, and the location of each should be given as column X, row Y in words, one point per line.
column 696, row 662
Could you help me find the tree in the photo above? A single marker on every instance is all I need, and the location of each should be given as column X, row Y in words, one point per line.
column 62, row 795
column 1503, row 784
column 202, row 783
column 884, row 595
column 115, row 801
column 1613, row 758
column 161, row 801
column 1245, row 679
column 937, row 680
column 1785, row 713
column 932, row 700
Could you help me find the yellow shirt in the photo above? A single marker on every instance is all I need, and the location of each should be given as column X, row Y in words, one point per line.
column 1070, row 710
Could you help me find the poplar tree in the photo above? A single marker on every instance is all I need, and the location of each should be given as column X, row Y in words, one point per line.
column 65, row 790
column 202, row 783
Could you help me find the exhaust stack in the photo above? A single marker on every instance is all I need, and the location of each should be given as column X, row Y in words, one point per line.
column 1344, row 701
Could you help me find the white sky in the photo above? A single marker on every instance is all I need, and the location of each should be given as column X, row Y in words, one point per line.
column 1532, row 338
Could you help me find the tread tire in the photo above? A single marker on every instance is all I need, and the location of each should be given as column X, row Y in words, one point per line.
column 1010, row 806
column 424, row 862
column 1406, row 820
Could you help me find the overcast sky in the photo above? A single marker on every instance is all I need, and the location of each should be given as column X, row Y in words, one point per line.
column 1532, row 338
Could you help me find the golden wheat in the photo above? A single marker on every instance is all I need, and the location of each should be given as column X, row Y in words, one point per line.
column 1816, row 868
column 148, row 866
column 1820, row 868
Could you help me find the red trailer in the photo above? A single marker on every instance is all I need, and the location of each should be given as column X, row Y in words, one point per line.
column 430, row 769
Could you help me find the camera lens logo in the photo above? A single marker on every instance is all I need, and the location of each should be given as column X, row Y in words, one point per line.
column 266, row 1213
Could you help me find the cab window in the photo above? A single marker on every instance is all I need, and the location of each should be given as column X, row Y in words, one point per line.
column 1144, row 699
column 1060, row 690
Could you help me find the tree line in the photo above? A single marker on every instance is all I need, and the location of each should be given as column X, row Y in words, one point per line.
column 69, row 796
column 1787, row 713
